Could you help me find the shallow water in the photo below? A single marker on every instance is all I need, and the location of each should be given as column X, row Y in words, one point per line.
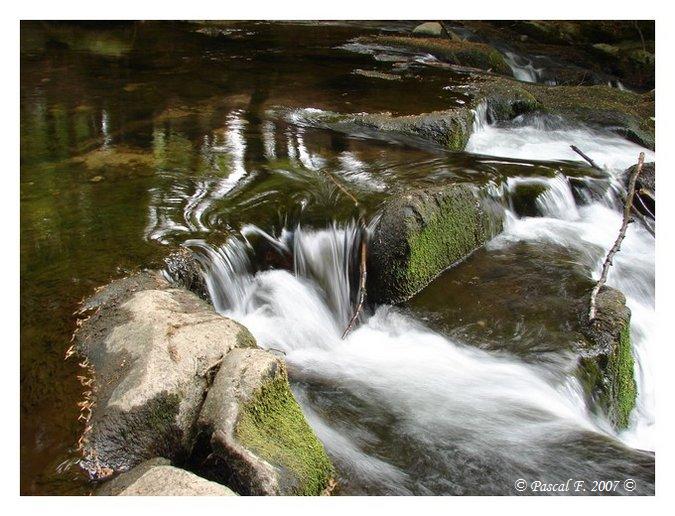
column 136, row 138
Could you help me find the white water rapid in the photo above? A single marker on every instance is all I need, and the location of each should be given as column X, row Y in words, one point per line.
column 403, row 409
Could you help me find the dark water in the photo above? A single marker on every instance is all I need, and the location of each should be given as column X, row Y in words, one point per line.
column 136, row 137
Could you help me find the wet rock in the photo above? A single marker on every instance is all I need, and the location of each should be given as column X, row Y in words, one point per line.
column 150, row 349
column 433, row 29
column 374, row 74
column 501, row 100
column 120, row 157
column 606, row 48
column 183, row 269
column 578, row 52
column 157, row 477
column 623, row 112
column 452, row 50
column 645, row 188
column 422, row 233
column 607, row 365
column 256, row 431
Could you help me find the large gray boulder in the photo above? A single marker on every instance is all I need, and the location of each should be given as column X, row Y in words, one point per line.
column 150, row 349
column 423, row 232
column 257, row 433
column 607, row 365
column 157, row 477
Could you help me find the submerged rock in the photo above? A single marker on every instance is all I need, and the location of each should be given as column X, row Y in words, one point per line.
column 433, row 29
column 607, row 366
column 157, row 477
column 150, row 348
column 257, row 433
column 422, row 233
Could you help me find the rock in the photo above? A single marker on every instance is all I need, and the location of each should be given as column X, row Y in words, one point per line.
column 433, row 29
column 453, row 50
column 607, row 366
column 119, row 157
column 645, row 188
column 374, row 74
column 422, row 233
column 150, row 348
column 626, row 113
column 257, row 433
column 156, row 477
column 606, row 48
column 183, row 269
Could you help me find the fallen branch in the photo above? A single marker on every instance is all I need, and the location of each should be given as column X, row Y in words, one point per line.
column 363, row 273
column 622, row 233
column 361, row 296
column 589, row 160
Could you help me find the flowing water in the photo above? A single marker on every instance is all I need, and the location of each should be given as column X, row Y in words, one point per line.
column 138, row 138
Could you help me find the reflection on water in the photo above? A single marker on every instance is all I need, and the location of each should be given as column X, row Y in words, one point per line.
column 137, row 137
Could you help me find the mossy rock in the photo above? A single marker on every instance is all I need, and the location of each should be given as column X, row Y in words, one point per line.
column 607, row 366
column 422, row 233
column 625, row 113
column 258, row 437
column 464, row 53
column 629, row 114
column 149, row 348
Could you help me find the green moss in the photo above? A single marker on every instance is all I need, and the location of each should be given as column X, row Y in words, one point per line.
column 464, row 53
column 620, row 370
column 454, row 228
column 610, row 379
column 273, row 426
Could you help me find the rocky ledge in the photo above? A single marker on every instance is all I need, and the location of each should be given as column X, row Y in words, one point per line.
column 169, row 377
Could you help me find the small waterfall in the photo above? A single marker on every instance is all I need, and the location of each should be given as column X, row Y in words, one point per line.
column 558, row 201
column 480, row 117
column 522, row 68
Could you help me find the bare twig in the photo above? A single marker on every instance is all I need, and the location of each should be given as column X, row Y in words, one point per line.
column 622, row 233
column 361, row 296
column 589, row 160
column 362, row 284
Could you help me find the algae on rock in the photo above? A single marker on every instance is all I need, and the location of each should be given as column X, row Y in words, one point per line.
column 607, row 365
column 257, row 432
column 424, row 232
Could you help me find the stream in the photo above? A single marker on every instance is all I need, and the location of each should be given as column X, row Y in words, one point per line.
column 159, row 135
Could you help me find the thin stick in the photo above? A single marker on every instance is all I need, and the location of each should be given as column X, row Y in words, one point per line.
column 622, row 233
column 589, row 160
column 342, row 188
column 363, row 273
column 362, row 286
